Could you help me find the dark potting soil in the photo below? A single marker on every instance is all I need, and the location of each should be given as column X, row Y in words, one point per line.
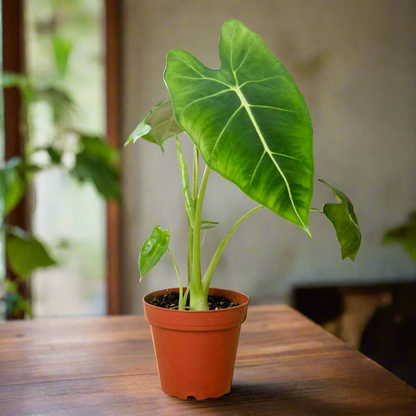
column 171, row 300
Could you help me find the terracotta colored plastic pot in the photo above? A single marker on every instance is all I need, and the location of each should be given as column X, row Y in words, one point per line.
column 195, row 351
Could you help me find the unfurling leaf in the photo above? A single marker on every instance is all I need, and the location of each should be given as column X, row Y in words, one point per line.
column 405, row 235
column 187, row 196
column 98, row 162
column 158, row 126
column 12, row 186
column 249, row 121
column 345, row 222
column 153, row 250
column 25, row 253
column 208, row 225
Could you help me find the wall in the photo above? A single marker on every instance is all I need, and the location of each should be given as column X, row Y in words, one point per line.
column 355, row 64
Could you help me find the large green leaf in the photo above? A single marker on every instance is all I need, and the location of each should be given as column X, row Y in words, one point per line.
column 404, row 235
column 158, row 126
column 345, row 222
column 25, row 253
column 97, row 162
column 249, row 121
column 153, row 250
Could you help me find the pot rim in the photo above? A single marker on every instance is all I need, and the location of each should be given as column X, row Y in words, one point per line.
column 241, row 305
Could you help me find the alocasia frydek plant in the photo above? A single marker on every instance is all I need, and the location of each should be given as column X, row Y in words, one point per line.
column 250, row 124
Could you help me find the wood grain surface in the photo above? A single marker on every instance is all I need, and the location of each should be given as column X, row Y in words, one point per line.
column 286, row 365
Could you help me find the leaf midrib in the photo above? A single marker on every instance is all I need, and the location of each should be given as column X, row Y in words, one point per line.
column 246, row 105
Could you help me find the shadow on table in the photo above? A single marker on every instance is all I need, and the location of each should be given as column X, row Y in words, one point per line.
column 276, row 399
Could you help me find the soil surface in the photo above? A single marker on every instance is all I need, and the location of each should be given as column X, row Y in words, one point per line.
column 170, row 301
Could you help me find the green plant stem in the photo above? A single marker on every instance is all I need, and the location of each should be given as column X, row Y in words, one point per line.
column 195, row 176
column 316, row 210
column 187, row 196
column 190, row 253
column 198, row 300
column 215, row 259
column 185, row 296
column 181, row 307
column 195, row 185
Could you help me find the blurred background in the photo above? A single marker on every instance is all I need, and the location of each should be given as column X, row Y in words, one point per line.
column 80, row 74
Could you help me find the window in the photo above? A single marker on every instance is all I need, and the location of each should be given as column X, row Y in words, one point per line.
column 65, row 46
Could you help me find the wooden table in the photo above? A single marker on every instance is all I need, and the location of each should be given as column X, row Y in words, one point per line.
column 286, row 365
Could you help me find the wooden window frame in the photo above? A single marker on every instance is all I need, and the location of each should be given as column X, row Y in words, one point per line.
column 13, row 61
column 112, row 51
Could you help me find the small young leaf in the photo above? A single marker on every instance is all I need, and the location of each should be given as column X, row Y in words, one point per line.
column 139, row 132
column 405, row 235
column 208, row 225
column 158, row 126
column 25, row 253
column 345, row 222
column 153, row 250
column 97, row 162
column 62, row 49
column 12, row 186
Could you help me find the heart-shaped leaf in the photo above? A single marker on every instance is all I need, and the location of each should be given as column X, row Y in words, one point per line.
column 208, row 225
column 345, row 222
column 25, row 253
column 158, row 126
column 249, row 121
column 153, row 250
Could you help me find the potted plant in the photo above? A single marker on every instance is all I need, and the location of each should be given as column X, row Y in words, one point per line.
column 250, row 124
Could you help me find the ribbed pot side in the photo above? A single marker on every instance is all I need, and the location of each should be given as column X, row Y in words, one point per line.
column 195, row 350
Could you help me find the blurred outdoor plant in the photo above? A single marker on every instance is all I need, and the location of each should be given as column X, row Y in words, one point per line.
column 84, row 156
column 405, row 235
